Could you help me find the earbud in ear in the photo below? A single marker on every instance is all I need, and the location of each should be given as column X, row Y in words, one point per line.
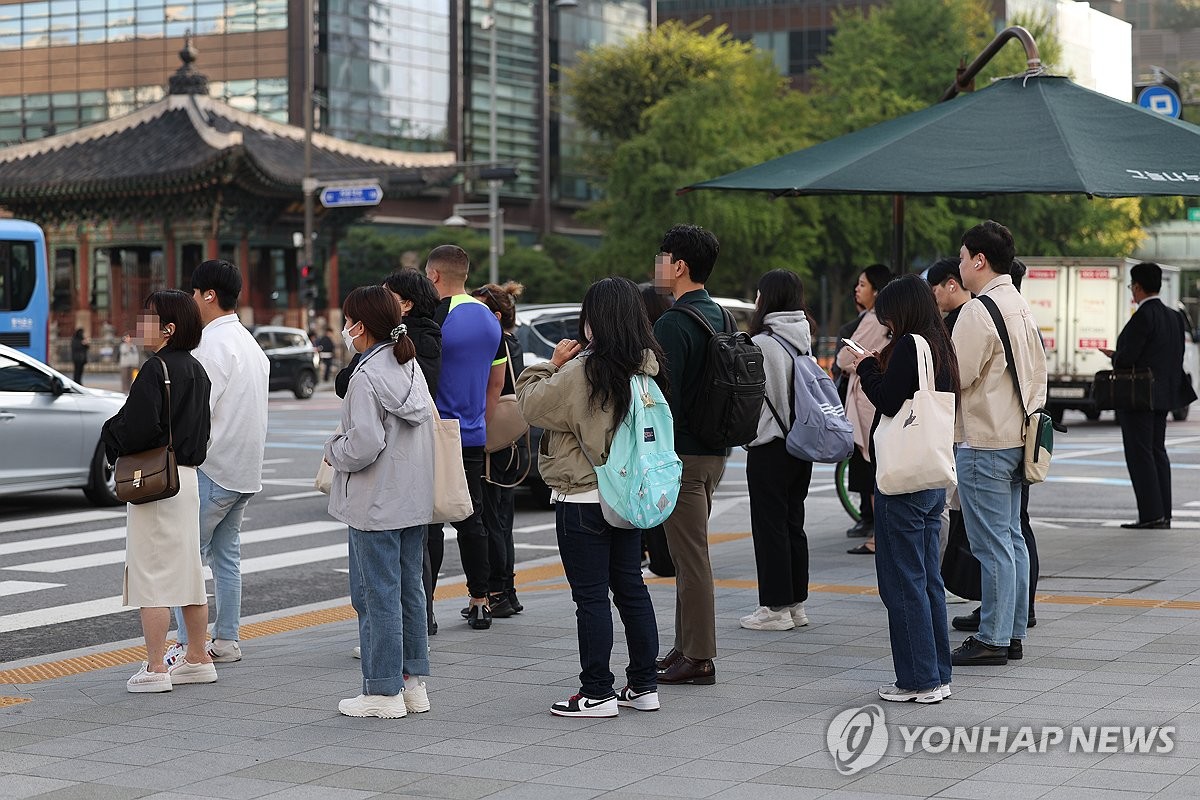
column 208, row 297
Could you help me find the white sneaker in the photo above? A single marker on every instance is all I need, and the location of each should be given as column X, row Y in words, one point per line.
column 356, row 652
column 184, row 671
column 799, row 617
column 895, row 694
column 224, row 651
column 416, row 696
column 945, row 691
column 374, row 705
column 764, row 619
column 952, row 598
column 147, row 681
column 580, row 706
column 642, row 701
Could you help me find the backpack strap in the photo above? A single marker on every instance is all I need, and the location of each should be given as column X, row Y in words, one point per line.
column 729, row 327
column 1002, row 329
column 791, row 387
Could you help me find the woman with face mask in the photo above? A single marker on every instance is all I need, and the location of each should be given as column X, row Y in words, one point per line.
column 383, row 490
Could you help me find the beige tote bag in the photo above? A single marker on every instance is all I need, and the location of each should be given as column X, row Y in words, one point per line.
column 451, row 497
column 914, row 450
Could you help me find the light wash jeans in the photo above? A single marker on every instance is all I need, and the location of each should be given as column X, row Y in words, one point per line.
column 221, row 514
column 387, row 591
column 989, row 489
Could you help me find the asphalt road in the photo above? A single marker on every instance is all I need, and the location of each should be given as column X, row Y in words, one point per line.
column 61, row 560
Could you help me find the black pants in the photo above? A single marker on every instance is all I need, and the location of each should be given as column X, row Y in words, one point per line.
column 1144, row 434
column 472, row 538
column 778, row 484
column 498, row 521
column 1031, row 546
column 78, row 374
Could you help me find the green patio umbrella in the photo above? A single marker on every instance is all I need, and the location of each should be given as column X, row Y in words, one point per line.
column 1035, row 134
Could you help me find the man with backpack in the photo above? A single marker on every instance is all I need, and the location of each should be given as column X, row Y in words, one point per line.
column 704, row 426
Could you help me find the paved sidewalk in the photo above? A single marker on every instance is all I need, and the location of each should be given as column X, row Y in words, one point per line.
column 270, row 726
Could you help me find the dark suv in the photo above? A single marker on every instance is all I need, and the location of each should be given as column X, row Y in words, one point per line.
column 294, row 361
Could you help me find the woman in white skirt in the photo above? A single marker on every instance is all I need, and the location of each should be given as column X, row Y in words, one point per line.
column 162, row 549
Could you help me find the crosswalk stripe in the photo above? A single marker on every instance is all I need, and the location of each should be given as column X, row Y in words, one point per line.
column 118, row 556
column 20, row 587
column 297, row 495
column 57, row 520
column 65, row 540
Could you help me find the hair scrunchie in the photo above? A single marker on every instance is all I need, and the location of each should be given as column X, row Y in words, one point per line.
column 398, row 331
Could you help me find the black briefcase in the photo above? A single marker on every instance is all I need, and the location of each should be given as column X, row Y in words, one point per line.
column 1124, row 390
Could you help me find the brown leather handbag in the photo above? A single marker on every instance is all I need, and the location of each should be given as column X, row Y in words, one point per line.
column 151, row 474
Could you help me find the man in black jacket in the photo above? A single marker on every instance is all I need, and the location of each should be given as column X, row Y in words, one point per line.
column 1153, row 338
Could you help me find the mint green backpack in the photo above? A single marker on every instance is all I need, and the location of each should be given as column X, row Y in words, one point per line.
column 639, row 483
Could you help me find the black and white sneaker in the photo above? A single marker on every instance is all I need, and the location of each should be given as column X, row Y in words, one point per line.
column 580, row 706
column 642, row 701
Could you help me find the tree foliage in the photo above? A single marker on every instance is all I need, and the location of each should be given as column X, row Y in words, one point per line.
column 367, row 254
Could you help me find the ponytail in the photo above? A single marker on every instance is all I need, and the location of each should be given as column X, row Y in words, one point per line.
column 403, row 348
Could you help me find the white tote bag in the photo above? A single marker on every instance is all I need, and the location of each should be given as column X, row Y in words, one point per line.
column 451, row 495
column 914, row 450
column 324, row 480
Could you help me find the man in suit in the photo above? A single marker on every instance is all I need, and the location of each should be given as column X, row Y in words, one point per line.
column 1152, row 338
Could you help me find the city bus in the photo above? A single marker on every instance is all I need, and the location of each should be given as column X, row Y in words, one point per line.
column 24, row 294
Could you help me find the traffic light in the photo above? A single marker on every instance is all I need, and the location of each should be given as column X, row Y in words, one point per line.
column 308, row 285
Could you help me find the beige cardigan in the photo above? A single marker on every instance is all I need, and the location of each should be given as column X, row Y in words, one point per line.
column 873, row 336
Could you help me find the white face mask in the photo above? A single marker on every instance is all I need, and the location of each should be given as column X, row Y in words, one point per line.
column 347, row 338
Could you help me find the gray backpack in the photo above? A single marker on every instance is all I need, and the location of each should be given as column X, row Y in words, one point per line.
column 820, row 431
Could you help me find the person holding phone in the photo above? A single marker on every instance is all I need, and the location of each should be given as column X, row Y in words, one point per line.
column 870, row 336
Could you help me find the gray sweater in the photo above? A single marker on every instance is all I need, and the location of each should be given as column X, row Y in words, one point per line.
column 792, row 327
column 383, row 462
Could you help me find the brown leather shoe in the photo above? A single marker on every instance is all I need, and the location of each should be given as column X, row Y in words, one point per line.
column 688, row 670
column 670, row 658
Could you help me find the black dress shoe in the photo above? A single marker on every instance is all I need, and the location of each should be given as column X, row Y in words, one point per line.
column 670, row 658
column 1162, row 523
column 1015, row 650
column 969, row 622
column 689, row 670
column 974, row 653
column 433, row 627
column 860, row 529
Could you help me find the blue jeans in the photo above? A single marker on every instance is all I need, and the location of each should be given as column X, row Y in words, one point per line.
column 989, row 488
column 907, row 563
column 221, row 514
column 597, row 558
column 387, row 591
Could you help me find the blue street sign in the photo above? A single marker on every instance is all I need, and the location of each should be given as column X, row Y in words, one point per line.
column 1160, row 99
column 363, row 194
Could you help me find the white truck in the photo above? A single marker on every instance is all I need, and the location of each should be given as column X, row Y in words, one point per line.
column 1081, row 305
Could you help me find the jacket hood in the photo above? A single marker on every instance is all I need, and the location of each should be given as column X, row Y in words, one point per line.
column 426, row 336
column 792, row 327
column 649, row 363
column 401, row 388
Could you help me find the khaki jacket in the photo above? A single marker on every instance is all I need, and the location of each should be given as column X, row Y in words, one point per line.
column 556, row 400
column 989, row 415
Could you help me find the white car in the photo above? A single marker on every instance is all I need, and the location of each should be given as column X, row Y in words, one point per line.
column 540, row 327
column 50, row 431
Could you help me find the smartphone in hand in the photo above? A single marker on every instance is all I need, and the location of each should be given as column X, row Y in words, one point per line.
column 855, row 346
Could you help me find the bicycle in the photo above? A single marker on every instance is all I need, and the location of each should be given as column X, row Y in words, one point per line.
column 841, row 479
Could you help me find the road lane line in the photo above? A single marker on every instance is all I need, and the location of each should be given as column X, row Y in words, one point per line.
column 57, row 520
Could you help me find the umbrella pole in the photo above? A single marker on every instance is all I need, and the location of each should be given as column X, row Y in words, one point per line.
column 1033, row 59
column 897, row 232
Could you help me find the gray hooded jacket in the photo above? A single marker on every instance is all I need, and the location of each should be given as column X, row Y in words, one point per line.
column 383, row 462
column 792, row 327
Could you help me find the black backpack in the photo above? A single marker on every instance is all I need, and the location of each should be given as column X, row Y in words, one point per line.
column 724, row 409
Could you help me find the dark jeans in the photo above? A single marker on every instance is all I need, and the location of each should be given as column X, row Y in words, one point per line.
column 910, row 584
column 1144, row 435
column 597, row 559
column 498, row 521
column 778, row 484
column 472, row 537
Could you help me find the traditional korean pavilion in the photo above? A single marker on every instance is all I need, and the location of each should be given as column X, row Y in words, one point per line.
column 133, row 204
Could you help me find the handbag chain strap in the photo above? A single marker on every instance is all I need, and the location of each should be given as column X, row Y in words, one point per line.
column 167, row 386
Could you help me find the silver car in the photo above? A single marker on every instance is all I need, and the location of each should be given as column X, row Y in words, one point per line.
column 50, row 431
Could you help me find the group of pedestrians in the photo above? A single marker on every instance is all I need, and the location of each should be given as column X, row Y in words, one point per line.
column 427, row 349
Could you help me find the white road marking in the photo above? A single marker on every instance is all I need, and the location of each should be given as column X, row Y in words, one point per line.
column 298, row 495
column 20, row 587
column 58, row 520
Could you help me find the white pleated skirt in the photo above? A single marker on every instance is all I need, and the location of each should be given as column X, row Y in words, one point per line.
column 162, row 550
